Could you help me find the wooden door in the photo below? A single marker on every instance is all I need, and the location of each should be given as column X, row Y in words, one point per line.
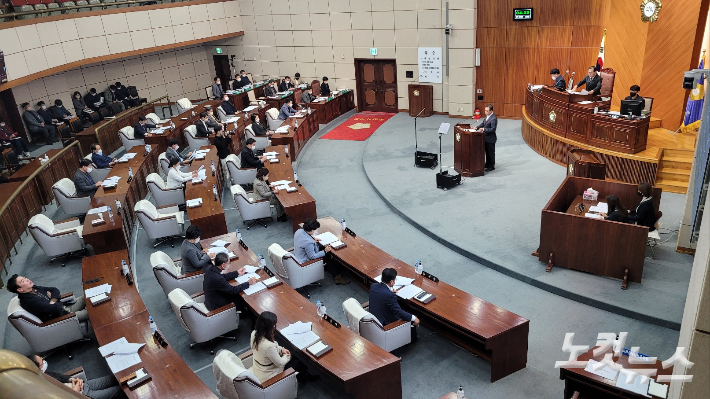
column 376, row 82
column 222, row 70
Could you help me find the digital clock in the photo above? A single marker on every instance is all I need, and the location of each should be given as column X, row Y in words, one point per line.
column 522, row 14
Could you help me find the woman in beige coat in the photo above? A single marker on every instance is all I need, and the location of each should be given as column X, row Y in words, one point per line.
column 262, row 190
column 270, row 359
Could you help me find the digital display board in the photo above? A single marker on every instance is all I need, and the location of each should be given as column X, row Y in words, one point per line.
column 522, row 14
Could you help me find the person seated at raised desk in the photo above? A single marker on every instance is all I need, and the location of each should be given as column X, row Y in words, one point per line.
column 324, row 88
column 194, row 257
column 559, row 80
column 249, row 158
column 177, row 178
column 593, row 81
column 287, row 110
column 270, row 359
column 617, row 212
column 44, row 302
column 263, row 190
column 217, row 90
column 634, row 94
column 286, row 84
column 140, row 130
column 270, row 89
column 99, row 159
column 84, row 183
column 645, row 212
column 297, row 79
column 96, row 388
column 227, row 106
column 19, row 144
column 218, row 292
column 307, row 96
column 173, row 152
column 244, row 78
column 305, row 248
column 258, row 128
column 383, row 301
column 202, row 126
column 237, row 83
column 59, row 112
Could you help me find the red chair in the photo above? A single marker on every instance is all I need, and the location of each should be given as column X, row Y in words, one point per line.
column 33, row 2
column 18, row 3
column 315, row 86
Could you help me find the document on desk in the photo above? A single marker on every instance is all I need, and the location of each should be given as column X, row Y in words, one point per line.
column 217, row 250
column 98, row 290
column 249, row 108
column 536, row 87
column 408, row 291
column 253, row 289
column 244, row 278
column 130, row 155
column 231, row 120
column 202, row 174
column 160, row 130
column 282, row 129
column 300, row 334
column 593, row 216
column 271, row 154
column 219, row 243
column 112, row 346
column 98, row 210
column 191, row 203
column 327, row 238
column 601, row 207
column 281, row 182
column 604, row 372
column 585, row 102
column 398, row 281
column 635, row 386
column 121, row 362
column 251, row 269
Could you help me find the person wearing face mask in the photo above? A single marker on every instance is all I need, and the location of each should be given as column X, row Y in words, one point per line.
column 59, row 112
column 258, row 128
column 46, row 114
column 264, row 190
column 286, row 84
column 244, row 77
column 217, row 90
column 202, row 126
column 85, row 184
column 634, row 94
column 94, row 100
column 227, row 106
column 324, row 87
column 177, row 178
column 306, row 247
column 111, row 98
column 645, row 212
column 80, row 107
column 19, row 144
column 140, row 130
column 99, row 159
column 270, row 89
column 194, row 257
column 307, row 95
column 237, row 83
column 383, row 301
column 288, row 111
column 593, row 81
column 96, row 388
column 249, row 158
column 173, row 153
column 218, row 291
column 212, row 119
column 559, row 80
column 35, row 124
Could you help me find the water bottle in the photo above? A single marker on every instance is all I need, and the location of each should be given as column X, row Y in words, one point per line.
column 130, row 174
column 214, row 191
column 309, row 109
column 295, row 176
column 416, row 266
column 193, row 113
column 318, row 306
column 239, row 235
column 459, row 393
column 151, row 323
column 286, row 149
column 124, row 267
column 295, row 125
column 213, row 169
column 118, row 206
column 262, row 261
column 322, row 310
column 147, row 148
column 596, row 108
column 421, row 268
column 110, row 214
column 342, row 223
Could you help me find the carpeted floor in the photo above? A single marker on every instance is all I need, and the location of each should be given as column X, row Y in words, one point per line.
column 359, row 127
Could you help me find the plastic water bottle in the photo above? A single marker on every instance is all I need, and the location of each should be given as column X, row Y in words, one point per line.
column 343, row 224
column 421, row 268
column 193, row 113
column 130, row 172
column 295, row 125
column 147, row 148
column 151, row 323
column 286, row 149
column 459, row 393
column 416, row 266
column 124, row 267
column 110, row 214
column 262, row 261
column 118, row 206
column 295, row 176
column 214, row 191
column 239, row 235
column 213, row 169
column 318, row 307
column 322, row 310
column 596, row 108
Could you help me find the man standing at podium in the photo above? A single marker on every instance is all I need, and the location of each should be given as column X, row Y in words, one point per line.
column 488, row 126
column 593, row 81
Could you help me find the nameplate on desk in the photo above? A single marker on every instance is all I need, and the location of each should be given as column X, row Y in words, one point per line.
column 99, row 299
column 197, row 181
column 273, row 160
column 424, row 297
column 97, row 222
column 183, row 119
column 352, row 233
column 319, row 349
column 430, row 276
column 193, row 203
column 272, row 282
column 337, row 244
column 291, row 189
column 268, row 271
column 243, row 244
column 331, row 320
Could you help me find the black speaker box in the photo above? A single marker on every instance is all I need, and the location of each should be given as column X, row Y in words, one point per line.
column 425, row 159
column 446, row 181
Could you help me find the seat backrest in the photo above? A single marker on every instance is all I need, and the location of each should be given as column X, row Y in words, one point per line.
column 354, row 313
column 154, row 180
column 161, row 260
column 272, row 113
column 251, row 95
column 608, row 75
column 220, row 112
column 153, row 117
column 277, row 255
column 66, row 187
column 315, row 86
column 145, row 206
column 229, row 372
column 236, row 160
column 164, row 162
column 43, row 223
column 15, row 311
column 183, row 105
column 241, row 198
column 297, row 96
column 249, row 132
column 127, row 132
column 648, row 106
column 180, row 301
column 192, row 131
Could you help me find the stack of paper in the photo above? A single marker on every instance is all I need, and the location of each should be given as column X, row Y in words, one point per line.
column 601, row 207
column 585, row 102
column 202, row 174
column 282, row 182
column 253, row 289
column 243, row 279
column 635, row 385
column 282, row 129
column 601, row 370
column 327, row 238
column 231, row 120
column 249, row 108
column 217, row 250
column 120, row 354
column 536, row 87
column 111, row 181
column 300, row 334
column 593, row 216
column 250, row 269
column 100, row 289
column 408, row 291
column 98, row 210
column 219, row 243
column 160, row 130
column 271, row 154
column 192, row 203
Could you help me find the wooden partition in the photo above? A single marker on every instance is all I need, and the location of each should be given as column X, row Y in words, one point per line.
column 107, row 133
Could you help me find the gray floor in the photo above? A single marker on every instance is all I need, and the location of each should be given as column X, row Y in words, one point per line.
column 333, row 173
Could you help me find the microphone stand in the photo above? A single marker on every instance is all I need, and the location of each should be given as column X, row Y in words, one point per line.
column 440, row 164
column 416, row 144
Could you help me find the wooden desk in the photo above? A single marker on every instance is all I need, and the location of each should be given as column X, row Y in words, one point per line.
column 333, row 107
column 277, row 102
column 210, row 215
column 299, row 205
column 590, row 385
column 109, row 236
column 43, row 180
column 125, row 315
column 602, row 247
column 363, row 369
column 495, row 334
column 296, row 139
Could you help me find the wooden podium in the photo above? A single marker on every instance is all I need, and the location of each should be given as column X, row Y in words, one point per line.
column 469, row 151
column 421, row 97
column 583, row 163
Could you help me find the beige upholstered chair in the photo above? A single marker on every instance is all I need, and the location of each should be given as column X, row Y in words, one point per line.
column 72, row 204
column 236, row 380
column 393, row 336
column 164, row 196
column 160, row 224
column 297, row 275
column 250, row 210
column 241, row 176
column 169, row 275
column 61, row 240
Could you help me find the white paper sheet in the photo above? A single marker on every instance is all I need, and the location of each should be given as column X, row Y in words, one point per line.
column 271, row 280
column 636, row 386
column 100, row 289
column 202, row 174
column 271, row 154
column 244, row 278
column 130, row 155
column 128, row 348
column 593, row 216
column 303, row 340
column 398, row 281
column 217, row 250
column 112, row 346
column 122, row 362
column 193, row 202
column 298, row 327
column 444, row 128
column 601, row 207
column 327, row 238
column 281, row 182
column 251, row 269
column 317, row 347
column 408, row 291
column 604, row 372
column 249, row 108
column 95, row 211
column 656, row 389
column 253, row 289
column 536, row 87
column 219, row 243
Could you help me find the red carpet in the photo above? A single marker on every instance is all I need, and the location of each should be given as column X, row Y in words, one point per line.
column 359, row 127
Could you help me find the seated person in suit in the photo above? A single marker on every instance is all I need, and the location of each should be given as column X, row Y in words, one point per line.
column 126, row 96
column 46, row 114
column 244, row 77
column 140, row 130
column 617, row 212
column 59, row 112
column 19, row 144
column 249, row 158
column 99, row 159
column 287, row 110
column 212, row 119
column 111, row 98
column 218, row 291
column 176, row 178
column 92, row 98
column 286, row 84
column 96, row 388
column 305, row 248
column 217, row 91
column 258, row 128
column 237, row 83
column 593, row 81
column 194, row 257
column 85, row 184
column 270, row 359
column 80, row 107
column 44, row 302
column 324, row 88
column 227, row 106
column 297, row 79
column 645, row 213
column 35, row 124
column 173, row 152
column 383, row 301
column 202, row 126
column 270, row 89
column 264, row 190
column 307, row 95
column 559, row 80
column 634, row 94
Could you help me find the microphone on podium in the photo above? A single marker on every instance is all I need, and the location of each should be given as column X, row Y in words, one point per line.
column 566, row 72
column 571, row 82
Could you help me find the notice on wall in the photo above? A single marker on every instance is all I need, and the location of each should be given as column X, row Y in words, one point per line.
column 430, row 70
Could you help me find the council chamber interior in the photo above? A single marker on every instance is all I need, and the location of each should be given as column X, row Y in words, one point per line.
column 354, row 199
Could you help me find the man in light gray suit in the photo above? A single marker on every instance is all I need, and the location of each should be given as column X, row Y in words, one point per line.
column 488, row 126
column 217, row 91
column 194, row 258
column 85, row 185
column 35, row 124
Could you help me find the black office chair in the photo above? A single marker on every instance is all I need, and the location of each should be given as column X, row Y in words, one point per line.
column 134, row 93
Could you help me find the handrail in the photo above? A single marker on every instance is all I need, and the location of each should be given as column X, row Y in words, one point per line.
column 130, row 117
column 89, row 7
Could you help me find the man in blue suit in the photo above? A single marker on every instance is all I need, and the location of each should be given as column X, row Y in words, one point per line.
column 287, row 110
column 488, row 126
column 383, row 301
column 140, row 130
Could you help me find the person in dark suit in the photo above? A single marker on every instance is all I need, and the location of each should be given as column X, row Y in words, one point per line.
column 287, row 110
column 249, row 159
column 257, row 127
column 270, row 89
column 227, row 106
column 324, row 88
column 50, row 120
column 645, row 213
column 297, row 79
column 244, row 77
column 218, row 291
column 383, row 301
column 212, row 119
column 35, row 124
column 488, row 126
column 124, row 96
column 217, row 91
column 99, row 159
column 634, row 94
column 237, row 83
column 173, row 152
column 140, row 130
column 593, row 81
column 111, row 98
column 59, row 112
column 617, row 212
column 44, row 302
column 19, row 144
column 92, row 98
column 286, row 84
column 559, row 80
column 85, row 184
column 306, row 248
column 307, row 95
column 202, row 127
column 194, row 257
column 105, row 387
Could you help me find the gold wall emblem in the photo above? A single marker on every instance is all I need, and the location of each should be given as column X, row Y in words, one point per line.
column 458, row 136
column 416, row 93
column 650, row 10
column 553, row 116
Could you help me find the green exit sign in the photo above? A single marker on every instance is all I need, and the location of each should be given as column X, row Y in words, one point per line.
column 218, row 50
column 373, row 51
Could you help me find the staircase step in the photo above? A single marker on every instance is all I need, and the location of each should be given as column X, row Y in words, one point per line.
column 669, row 182
column 672, row 189
column 676, row 177
column 667, row 164
column 668, row 152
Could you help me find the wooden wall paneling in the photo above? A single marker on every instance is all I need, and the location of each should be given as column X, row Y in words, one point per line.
column 555, row 36
column 548, row 58
column 492, row 75
column 522, row 37
column 669, row 52
column 556, row 13
column 587, row 36
column 492, row 13
column 522, row 60
column 490, row 37
column 582, row 58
